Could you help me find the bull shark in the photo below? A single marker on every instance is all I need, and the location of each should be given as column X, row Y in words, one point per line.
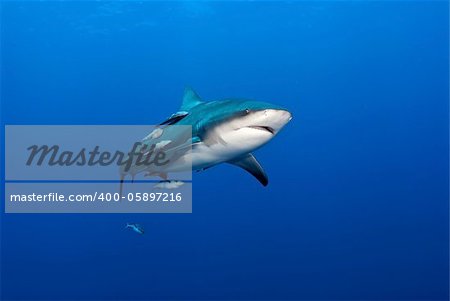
column 223, row 131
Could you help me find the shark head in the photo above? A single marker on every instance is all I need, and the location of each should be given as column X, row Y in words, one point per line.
column 248, row 125
column 261, row 117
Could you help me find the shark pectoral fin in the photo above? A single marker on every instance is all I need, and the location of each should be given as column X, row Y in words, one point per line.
column 250, row 164
column 190, row 99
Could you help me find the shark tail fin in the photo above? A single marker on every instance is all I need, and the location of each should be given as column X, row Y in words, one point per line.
column 190, row 99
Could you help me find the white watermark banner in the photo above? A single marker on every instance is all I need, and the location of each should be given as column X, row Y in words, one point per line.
column 82, row 169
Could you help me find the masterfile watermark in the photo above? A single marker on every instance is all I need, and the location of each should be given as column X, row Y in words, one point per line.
column 111, row 169
column 95, row 198
column 145, row 155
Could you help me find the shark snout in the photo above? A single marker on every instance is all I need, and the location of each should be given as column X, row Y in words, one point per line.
column 276, row 119
column 285, row 115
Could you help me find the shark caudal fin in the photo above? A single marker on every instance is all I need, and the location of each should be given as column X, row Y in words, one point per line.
column 249, row 163
column 190, row 99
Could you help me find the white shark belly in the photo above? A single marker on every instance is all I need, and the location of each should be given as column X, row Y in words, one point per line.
column 229, row 145
column 201, row 157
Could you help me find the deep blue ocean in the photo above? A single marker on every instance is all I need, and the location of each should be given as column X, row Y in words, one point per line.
column 357, row 205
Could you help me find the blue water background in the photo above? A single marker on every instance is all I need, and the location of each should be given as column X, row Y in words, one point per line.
column 357, row 205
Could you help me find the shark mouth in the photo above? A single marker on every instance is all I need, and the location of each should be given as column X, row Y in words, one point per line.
column 263, row 128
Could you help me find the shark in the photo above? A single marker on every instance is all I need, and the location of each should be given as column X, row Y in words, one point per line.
column 220, row 131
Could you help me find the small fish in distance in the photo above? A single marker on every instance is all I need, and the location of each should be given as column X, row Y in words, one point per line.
column 135, row 227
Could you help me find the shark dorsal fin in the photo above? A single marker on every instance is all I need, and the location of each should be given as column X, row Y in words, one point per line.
column 190, row 99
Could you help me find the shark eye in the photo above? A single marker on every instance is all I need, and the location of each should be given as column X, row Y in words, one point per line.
column 247, row 111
